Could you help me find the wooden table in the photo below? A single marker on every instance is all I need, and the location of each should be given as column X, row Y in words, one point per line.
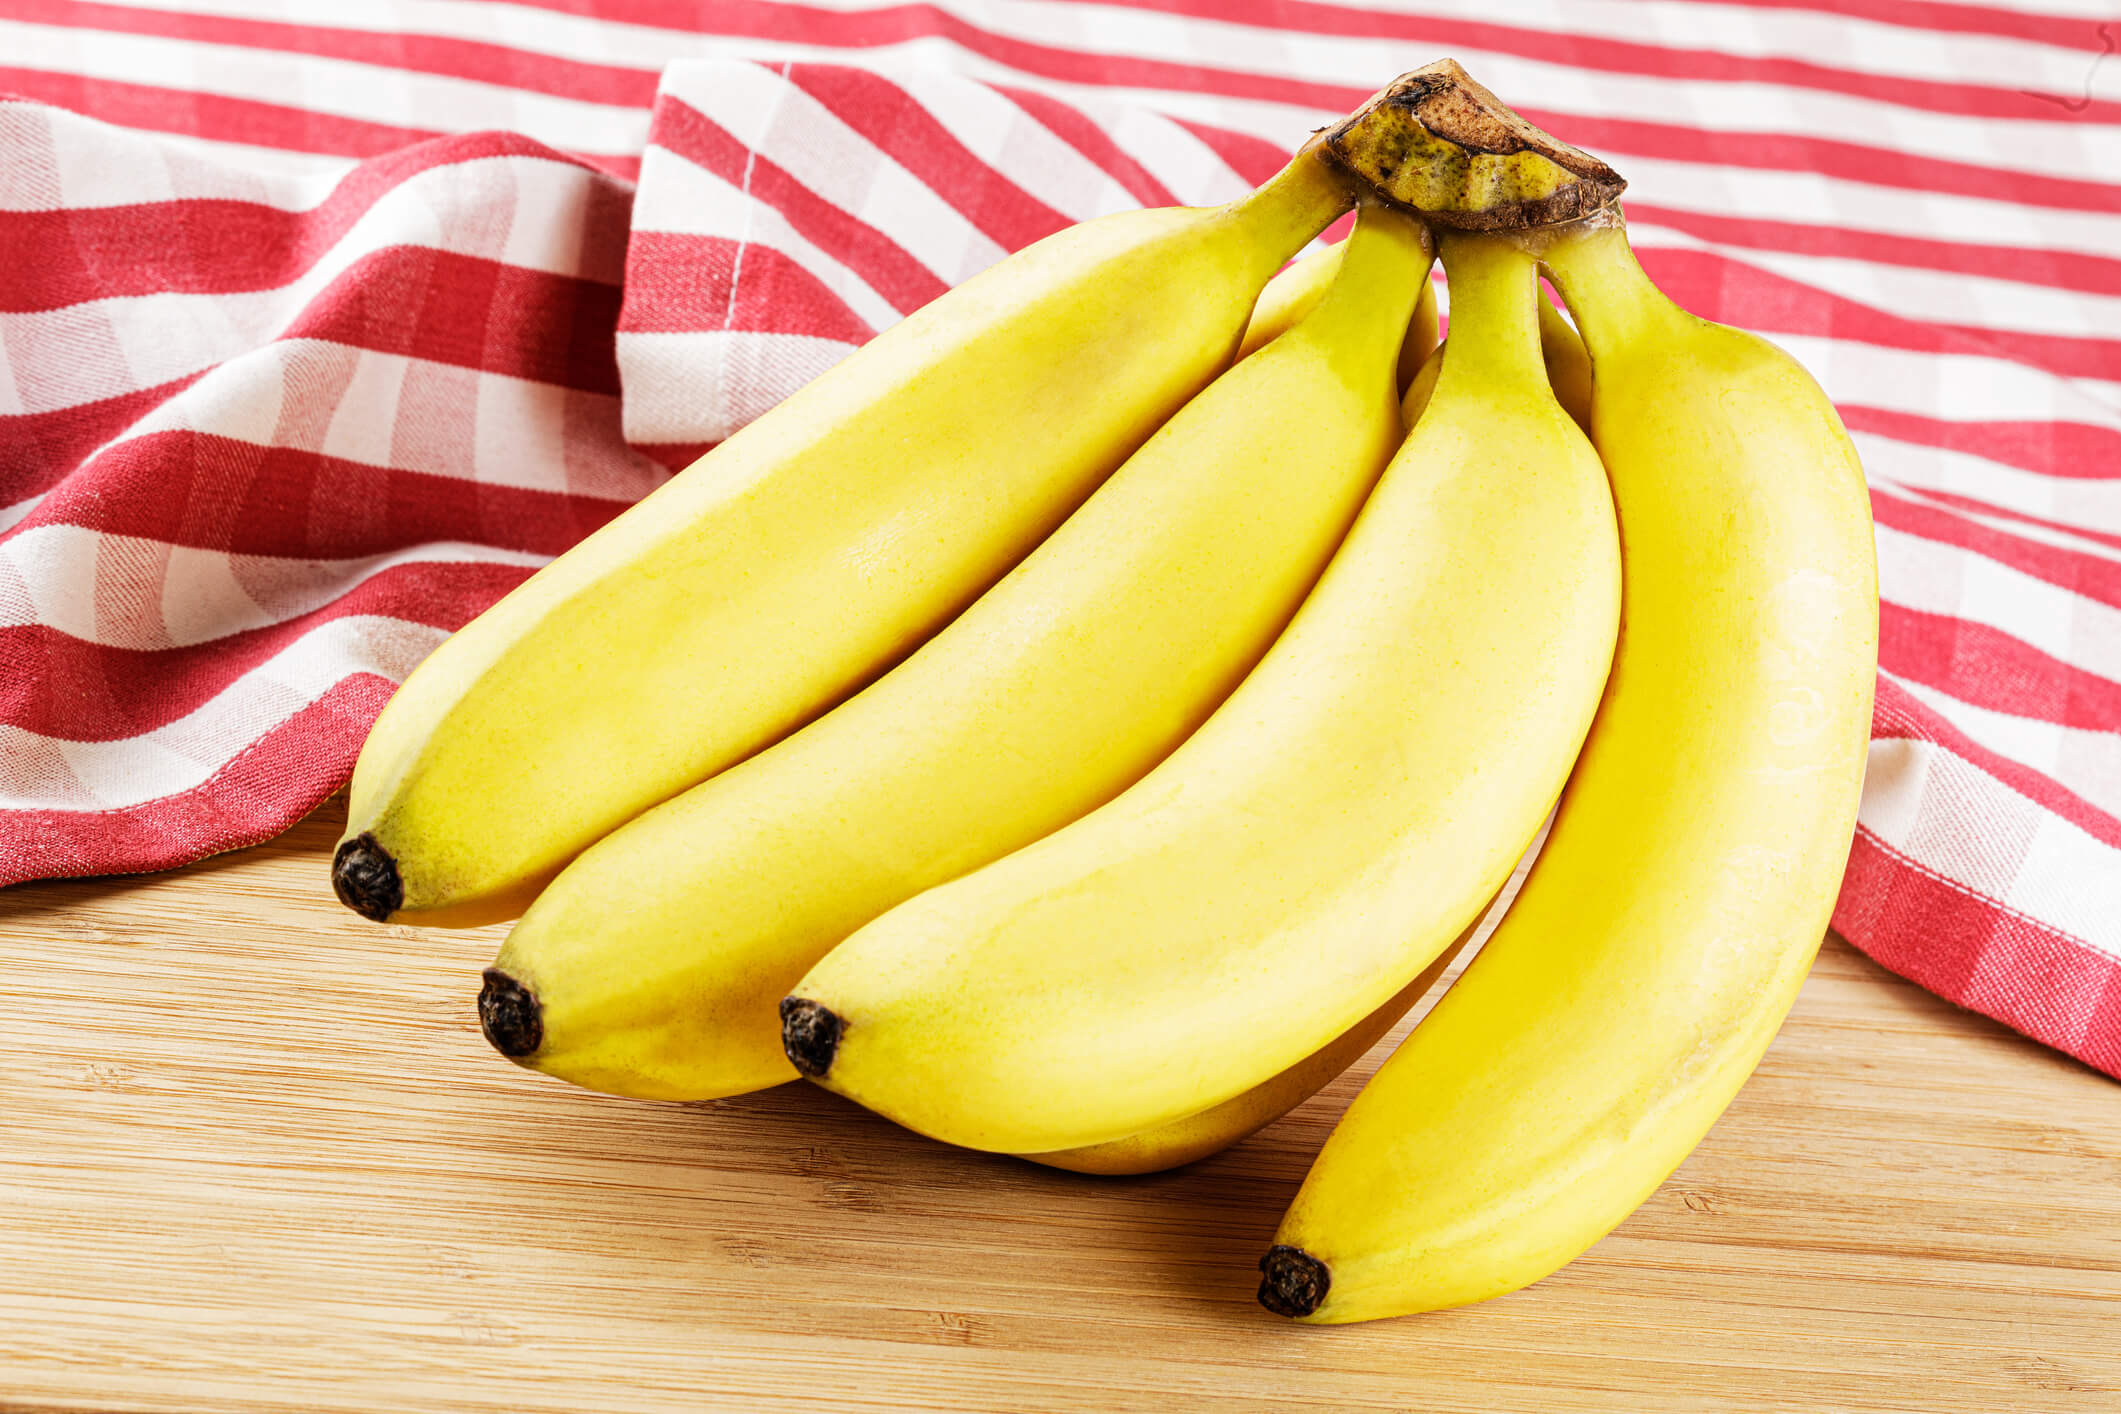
column 255, row 1156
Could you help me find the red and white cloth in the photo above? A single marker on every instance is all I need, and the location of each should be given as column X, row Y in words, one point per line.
column 322, row 325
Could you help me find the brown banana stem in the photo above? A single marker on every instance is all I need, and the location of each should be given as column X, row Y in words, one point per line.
column 1439, row 144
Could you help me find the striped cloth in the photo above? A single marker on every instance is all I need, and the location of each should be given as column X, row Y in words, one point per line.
column 321, row 325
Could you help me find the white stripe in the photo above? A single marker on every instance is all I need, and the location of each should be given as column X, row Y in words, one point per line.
column 66, row 577
column 681, row 197
column 2089, row 761
column 526, row 211
column 1931, row 577
column 83, row 163
column 2094, row 504
column 1950, row 387
column 786, row 126
column 1814, row 199
column 704, row 385
column 1911, row 292
column 2093, row 10
column 293, row 174
column 185, row 754
column 1955, row 820
column 339, row 87
column 2021, row 530
column 2071, row 881
column 1005, row 137
column 12, row 516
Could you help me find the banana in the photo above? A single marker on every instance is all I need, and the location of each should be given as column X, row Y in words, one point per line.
column 1560, row 349
column 653, row 964
column 804, row 555
column 1314, row 845
column 1296, row 291
column 1568, row 363
column 1195, row 1137
column 1663, row 932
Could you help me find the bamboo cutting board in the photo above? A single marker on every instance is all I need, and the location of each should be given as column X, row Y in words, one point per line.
column 255, row 1156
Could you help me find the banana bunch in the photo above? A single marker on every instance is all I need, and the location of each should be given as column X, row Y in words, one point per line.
column 1085, row 721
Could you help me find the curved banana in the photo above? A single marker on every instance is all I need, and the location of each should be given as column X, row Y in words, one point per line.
column 803, row 555
column 1663, row 932
column 1314, row 845
column 653, row 964
column 1188, row 1140
column 1296, row 291
column 1560, row 349
column 1568, row 363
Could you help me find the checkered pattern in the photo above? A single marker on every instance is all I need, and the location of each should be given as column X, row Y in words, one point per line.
column 341, row 320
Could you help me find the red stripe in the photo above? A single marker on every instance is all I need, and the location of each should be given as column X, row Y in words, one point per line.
column 1950, row 16
column 620, row 85
column 1617, row 138
column 274, row 782
column 1074, row 127
column 1253, row 159
column 217, row 246
column 681, row 285
column 218, row 493
column 209, row 115
column 38, row 449
column 881, row 262
column 1977, row 506
column 2076, row 450
column 474, row 313
column 2068, row 270
column 675, row 456
column 1443, row 31
column 219, row 118
column 1733, row 292
column 1899, row 714
column 59, row 686
column 2055, row 988
column 900, row 24
column 1988, row 668
column 912, row 136
column 2092, row 576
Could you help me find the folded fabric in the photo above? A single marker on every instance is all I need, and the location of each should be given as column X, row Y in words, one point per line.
column 274, row 424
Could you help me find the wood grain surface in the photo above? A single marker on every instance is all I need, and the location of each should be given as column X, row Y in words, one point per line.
column 255, row 1156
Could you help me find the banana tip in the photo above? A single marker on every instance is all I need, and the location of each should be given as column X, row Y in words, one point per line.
column 510, row 1016
column 1294, row 1283
column 365, row 878
column 810, row 1034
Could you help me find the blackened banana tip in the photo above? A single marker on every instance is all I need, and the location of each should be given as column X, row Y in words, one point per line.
column 510, row 1016
column 365, row 878
column 810, row 1034
column 1295, row 1283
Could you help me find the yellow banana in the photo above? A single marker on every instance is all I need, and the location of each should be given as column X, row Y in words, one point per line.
column 1568, row 363
column 1296, row 291
column 1560, row 349
column 1663, row 932
column 1188, row 1140
column 802, row 556
column 1314, row 845
column 653, row 964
